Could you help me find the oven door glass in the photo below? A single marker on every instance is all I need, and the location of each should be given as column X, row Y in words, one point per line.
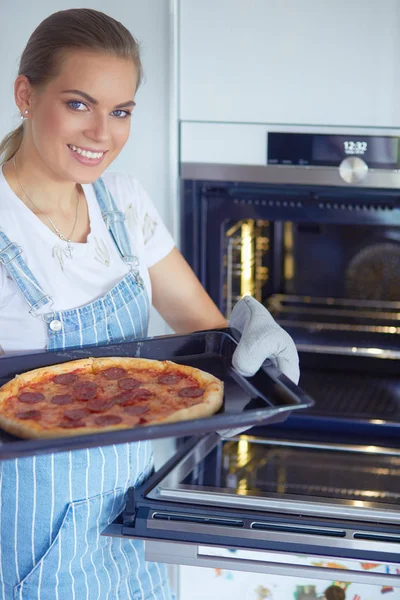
column 343, row 481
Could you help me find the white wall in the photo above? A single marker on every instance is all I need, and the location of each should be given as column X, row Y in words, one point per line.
column 146, row 154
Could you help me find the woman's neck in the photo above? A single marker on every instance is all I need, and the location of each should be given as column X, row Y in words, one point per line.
column 37, row 186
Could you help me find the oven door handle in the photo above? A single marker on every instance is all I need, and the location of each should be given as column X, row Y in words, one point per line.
column 179, row 553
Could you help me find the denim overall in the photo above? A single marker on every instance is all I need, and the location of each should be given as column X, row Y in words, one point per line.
column 54, row 507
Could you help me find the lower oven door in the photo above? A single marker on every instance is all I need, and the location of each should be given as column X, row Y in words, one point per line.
column 274, row 506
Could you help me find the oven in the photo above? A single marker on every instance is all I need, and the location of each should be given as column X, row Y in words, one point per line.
column 314, row 234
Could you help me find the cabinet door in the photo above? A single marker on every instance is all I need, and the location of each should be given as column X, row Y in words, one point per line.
column 283, row 61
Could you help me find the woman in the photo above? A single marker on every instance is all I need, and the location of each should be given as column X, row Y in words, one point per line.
column 82, row 256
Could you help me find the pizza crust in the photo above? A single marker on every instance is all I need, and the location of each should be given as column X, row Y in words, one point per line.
column 127, row 362
column 211, row 400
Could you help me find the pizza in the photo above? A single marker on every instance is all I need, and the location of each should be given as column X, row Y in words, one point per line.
column 94, row 395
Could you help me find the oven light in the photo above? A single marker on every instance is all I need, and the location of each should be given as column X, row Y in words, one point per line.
column 377, row 421
column 246, row 259
column 242, row 487
column 242, row 453
column 288, row 244
column 375, row 351
column 289, row 267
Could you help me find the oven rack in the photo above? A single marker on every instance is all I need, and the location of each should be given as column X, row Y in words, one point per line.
column 336, row 313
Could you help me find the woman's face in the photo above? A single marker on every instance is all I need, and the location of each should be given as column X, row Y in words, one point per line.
column 80, row 121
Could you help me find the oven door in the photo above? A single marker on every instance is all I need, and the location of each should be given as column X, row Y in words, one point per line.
column 276, row 506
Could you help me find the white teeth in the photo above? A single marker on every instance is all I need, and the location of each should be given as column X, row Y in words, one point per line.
column 86, row 153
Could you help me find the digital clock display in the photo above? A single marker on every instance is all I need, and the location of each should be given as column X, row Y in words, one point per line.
column 376, row 151
column 355, row 147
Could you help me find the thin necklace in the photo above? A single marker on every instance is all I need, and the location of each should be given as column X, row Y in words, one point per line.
column 58, row 232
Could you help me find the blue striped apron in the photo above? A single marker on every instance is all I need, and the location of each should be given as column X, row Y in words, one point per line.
column 54, row 507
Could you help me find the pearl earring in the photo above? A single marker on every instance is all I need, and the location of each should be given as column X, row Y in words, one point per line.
column 23, row 116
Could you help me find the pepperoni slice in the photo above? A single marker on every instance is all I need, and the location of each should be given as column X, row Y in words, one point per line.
column 129, row 383
column 29, row 414
column 71, row 424
column 62, row 399
column 75, row 414
column 191, row 392
column 99, row 404
column 170, row 378
column 65, row 378
column 108, row 420
column 134, row 396
column 136, row 410
column 85, row 391
column 124, row 397
column 31, row 397
column 114, row 373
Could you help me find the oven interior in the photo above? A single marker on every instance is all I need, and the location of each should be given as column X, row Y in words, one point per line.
column 326, row 263
column 337, row 277
column 339, row 292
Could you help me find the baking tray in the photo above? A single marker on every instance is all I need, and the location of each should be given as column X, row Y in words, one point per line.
column 267, row 397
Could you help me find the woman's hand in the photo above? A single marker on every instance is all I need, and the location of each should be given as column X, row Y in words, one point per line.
column 185, row 305
column 262, row 338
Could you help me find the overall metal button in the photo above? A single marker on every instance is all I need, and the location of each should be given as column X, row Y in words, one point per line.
column 55, row 325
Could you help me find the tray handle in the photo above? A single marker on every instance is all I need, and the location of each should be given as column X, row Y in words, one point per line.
column 272, row 386
column 271, row 380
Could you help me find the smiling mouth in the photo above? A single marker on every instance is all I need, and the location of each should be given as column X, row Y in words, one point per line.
column 86, row 153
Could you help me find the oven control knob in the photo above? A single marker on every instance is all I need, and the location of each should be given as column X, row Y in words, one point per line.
column 353, row 169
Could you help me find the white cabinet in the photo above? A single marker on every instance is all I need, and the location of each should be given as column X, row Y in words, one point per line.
column 314, row 62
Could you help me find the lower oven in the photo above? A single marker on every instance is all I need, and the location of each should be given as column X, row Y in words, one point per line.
column 298, row 506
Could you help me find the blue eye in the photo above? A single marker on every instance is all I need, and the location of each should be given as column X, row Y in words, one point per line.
column 121, row 114
column 76, row 104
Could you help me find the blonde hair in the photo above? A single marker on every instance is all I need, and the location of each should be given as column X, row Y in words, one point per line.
column 79, row 28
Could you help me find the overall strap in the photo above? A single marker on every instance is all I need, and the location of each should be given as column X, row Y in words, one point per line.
column 114, row 220
column 11, row 258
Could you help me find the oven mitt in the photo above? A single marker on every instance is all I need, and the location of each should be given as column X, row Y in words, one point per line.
column 262, row 338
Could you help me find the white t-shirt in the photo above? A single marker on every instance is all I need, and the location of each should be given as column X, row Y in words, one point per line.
column 96, row 265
